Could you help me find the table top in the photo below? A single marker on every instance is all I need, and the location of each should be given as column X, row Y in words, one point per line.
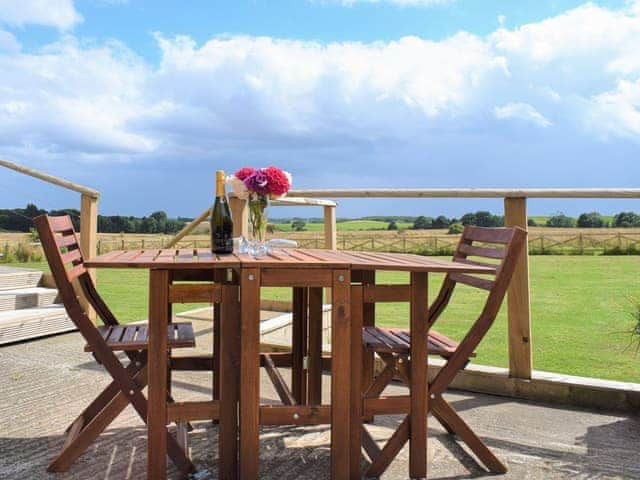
column 202, row 258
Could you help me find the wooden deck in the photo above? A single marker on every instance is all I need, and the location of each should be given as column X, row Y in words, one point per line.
column 534, row 440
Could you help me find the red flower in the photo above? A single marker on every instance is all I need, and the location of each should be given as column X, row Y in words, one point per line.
column 277, row 181
column 244, row 173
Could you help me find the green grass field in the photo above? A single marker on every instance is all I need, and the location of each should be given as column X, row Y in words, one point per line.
column 350, row 225
column 580, row 313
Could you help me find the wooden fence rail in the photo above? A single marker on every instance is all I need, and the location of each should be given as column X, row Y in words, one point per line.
column 539, row 244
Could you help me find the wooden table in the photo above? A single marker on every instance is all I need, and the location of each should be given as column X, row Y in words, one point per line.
column 351, row 278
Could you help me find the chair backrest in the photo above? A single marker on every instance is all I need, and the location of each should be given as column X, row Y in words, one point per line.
column 501, row 245
column 502, row 248
column 62, row 250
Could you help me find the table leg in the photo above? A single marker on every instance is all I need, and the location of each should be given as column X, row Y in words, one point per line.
column 340, row 374
column 249, row 373
column 368, row 320
column 356, row 381
column 229, row 362
column 157, row 393
column 298, row 345
column 419, row 386
column 216, row 350
column 315, row 346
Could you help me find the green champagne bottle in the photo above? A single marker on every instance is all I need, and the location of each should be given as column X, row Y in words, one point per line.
column 221, row 223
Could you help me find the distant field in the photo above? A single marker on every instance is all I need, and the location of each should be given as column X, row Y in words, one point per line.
column 543, row 220
column 351, row 225
column 580, row 313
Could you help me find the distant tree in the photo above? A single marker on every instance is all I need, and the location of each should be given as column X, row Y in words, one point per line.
column 298, row 225
column 468, row 219
column 422, row 223
column 392, row 225
column 531, row 222
column 560, row 220
column 173, row 225
column 148, row 225
column 455, row 228
column 31, row 211
column 482, row 218
column 440, row 222
column 626, row 220
column 161, row 220
column 591, row 220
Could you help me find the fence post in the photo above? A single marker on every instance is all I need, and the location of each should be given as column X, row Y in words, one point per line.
column 580, row 244
column 330, row 234
column 519, row 307
column 240, row 215
column 88, row 239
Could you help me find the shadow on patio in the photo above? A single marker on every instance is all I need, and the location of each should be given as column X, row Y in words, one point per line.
column 46, row 383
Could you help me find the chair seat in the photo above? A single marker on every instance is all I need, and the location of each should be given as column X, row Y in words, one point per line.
column 395, row 340
column 135, row 336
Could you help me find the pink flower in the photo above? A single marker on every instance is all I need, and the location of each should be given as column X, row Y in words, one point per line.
column 277, row 181
column 260, row 182
column 244, row 172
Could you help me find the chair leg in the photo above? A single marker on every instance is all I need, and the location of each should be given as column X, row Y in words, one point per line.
column 78, row 441
column 106, row 396
column 442, row 409
column 443, row 422
column 286, row 397
column 175, row 452
column 389, row 451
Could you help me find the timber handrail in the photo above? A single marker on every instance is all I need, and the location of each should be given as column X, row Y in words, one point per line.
column 90, row 192
column 472, row 193
column 88, row 214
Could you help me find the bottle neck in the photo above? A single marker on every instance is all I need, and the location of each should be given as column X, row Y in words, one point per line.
column 220, row 189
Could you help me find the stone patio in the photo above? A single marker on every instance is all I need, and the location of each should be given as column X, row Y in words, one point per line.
column 46, row 383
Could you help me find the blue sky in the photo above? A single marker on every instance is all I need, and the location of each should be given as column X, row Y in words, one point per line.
column 144, row 100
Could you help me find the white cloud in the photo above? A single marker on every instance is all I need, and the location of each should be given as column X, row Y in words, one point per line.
column 579, row 69
column 60, row 14
column 616, row 112
column 73, row 98
column 523, row 111
column 8, row 42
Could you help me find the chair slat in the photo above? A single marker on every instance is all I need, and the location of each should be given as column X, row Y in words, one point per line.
column 61, row 224
column 472, row 281
column 488, row 235
column 185, row 331
column 71, row 256
column 475, row 251
column 130, row 334
column 141, row 337
column 76, row 271
column 66, row 241
column 134, row 337
column 116, row 334
column 478, row 264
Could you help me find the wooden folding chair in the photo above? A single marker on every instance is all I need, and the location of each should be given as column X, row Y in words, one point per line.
column 61, row 247
column 501, row 245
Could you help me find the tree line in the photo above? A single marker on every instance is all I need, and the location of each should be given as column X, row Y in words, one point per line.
column 559, row 220
column 21, row 220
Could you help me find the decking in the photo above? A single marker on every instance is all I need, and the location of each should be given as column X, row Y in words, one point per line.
column 45, row 383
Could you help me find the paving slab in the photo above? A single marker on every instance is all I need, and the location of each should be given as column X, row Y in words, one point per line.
column 45, row 383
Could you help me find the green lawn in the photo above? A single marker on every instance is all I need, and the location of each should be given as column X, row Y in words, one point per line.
column 580, row 308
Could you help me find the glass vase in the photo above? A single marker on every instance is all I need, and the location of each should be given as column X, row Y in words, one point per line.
column 257, row 246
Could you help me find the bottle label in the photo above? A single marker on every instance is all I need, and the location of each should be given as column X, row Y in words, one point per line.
column 222, row 242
